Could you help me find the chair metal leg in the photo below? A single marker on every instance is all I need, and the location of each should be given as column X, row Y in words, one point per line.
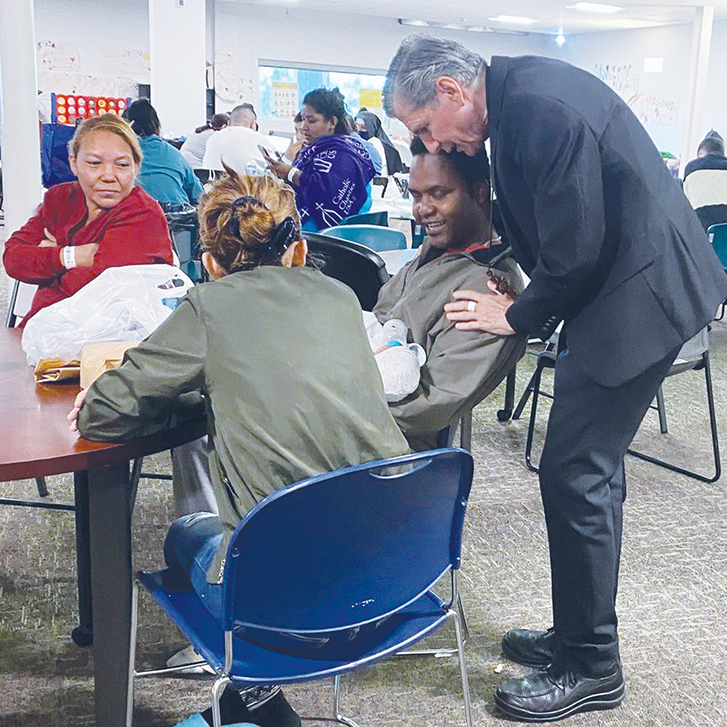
column 505, row 413
column 42, row 489
column 445, row 650
column 713, row 430
column 217, row 688
column 463, row 669
column 336, row 704
column 661, row 409
column 533, row 412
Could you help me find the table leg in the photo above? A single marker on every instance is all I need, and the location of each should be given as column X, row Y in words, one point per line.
column 82, row 635
column 110, row 528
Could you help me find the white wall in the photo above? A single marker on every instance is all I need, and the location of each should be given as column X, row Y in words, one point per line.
column 673, row 44
column 255, row 32
column 93, row 25
column 177, row 48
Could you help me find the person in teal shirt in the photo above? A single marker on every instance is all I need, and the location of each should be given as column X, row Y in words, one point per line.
column 165, row 174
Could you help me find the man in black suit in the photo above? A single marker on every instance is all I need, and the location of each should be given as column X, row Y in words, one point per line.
column 614, row 251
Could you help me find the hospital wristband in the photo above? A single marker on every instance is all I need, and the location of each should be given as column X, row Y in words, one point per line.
column 68, row 257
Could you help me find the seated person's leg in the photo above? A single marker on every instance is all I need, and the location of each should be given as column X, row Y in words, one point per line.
column 189, row 549
column 191, row 481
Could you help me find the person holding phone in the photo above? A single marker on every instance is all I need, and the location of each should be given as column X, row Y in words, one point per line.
column 332, row 174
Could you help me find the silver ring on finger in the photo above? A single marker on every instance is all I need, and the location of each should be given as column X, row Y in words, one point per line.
column 471, row 306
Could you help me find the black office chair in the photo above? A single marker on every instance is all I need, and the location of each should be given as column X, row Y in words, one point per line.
column 355, row 265
column 205, row 175
column 184, row 229
column 381, row 182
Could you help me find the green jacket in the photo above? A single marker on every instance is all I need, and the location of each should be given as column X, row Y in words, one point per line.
column 290, row 384
column 462, row 367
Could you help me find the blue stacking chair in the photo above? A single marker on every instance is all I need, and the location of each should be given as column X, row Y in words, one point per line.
column 374, row 237
column 717, row 235
column 326, row 555
column 368, row 218
column 718, row 238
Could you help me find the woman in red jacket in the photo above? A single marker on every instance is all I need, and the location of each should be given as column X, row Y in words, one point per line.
column 101, row 221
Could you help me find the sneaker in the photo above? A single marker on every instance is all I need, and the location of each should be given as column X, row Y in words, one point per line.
column 188, row 655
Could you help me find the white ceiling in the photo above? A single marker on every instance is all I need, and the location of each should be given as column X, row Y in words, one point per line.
column 550, row 15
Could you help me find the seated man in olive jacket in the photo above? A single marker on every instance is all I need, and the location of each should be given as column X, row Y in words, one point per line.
column 451, row 195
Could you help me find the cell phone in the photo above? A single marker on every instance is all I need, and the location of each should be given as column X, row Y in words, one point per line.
column 266, row 153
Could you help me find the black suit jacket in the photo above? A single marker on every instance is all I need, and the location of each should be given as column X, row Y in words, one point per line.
column 609, row 241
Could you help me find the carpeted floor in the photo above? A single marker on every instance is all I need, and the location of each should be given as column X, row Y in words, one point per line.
column 672, row 601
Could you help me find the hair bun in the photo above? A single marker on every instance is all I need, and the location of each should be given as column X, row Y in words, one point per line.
column 243, row 208
column 248, row 206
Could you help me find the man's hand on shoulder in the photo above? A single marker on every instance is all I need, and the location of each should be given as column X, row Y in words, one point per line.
column 475, row 311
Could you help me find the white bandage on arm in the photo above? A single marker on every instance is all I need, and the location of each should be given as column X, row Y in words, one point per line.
column 68, row 257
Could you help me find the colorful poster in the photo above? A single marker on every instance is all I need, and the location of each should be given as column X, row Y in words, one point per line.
column 55, row 55
column 128, row 64
column 285, row 100
column 227, row 81
column 654, row 109
column 620, row 77
column 370, row 98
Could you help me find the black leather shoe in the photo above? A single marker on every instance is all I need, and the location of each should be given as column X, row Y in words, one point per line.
column 532, row 648
column 551, row 694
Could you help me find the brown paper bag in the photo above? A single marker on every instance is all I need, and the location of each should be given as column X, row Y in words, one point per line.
column 54, row 371
column 99, row 357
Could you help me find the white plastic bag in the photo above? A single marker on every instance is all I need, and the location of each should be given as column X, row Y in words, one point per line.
column 121, row 304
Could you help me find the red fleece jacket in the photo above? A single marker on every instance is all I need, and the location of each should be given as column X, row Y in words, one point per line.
column 135, row 232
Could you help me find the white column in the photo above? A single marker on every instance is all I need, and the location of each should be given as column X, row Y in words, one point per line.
column 177, row 37
column 697, row 89
column 20, row 130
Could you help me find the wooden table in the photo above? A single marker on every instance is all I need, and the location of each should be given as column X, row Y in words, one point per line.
column 35, row 442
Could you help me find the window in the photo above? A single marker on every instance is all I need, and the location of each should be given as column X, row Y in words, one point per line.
column 282, row 90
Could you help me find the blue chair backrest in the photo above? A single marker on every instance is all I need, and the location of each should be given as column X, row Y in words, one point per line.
column 718, row 237
column 373, row 236
column 54, row 163
column 368, row 218
column 348, row 547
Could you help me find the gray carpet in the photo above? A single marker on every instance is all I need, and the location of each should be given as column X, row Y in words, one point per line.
column 672, row 601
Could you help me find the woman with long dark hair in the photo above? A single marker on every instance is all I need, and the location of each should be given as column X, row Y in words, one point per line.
column 332, row 174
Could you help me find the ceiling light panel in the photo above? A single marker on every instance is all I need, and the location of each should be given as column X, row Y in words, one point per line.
column 596, row 8
column 514, row 19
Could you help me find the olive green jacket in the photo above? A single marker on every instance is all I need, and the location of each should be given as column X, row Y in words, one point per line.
column 462, row 367
column 290, row 385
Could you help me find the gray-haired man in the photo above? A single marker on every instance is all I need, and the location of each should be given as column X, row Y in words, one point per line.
column 615, row 252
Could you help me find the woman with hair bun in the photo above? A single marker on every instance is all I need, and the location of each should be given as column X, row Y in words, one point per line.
column 194, row 147
column 289, row 384
column 331, row 174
